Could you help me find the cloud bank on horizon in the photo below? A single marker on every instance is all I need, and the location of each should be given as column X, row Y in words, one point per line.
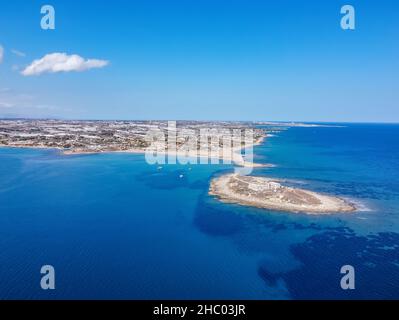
column 62, row 62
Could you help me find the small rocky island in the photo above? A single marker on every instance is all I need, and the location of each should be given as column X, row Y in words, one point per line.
column 272, row 194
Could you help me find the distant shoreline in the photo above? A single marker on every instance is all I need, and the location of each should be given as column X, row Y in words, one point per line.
column 184, row 139
column 231, row 157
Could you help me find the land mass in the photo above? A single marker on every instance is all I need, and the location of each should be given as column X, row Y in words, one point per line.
column 79, row 137
column 271, row 194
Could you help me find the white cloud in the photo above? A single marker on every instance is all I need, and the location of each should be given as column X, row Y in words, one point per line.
column 18, row 53
column 1, row 54
column 61, row 62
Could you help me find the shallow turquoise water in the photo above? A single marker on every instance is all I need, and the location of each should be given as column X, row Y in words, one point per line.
column 116, row 227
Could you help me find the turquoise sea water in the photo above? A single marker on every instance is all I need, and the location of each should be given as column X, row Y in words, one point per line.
column 115, row 227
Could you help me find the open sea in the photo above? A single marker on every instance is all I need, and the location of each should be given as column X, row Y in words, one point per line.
column 115, row 227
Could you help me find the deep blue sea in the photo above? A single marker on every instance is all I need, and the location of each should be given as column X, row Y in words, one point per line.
column 115, row 227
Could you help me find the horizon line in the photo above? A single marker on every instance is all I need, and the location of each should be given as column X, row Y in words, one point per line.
column 194, row 120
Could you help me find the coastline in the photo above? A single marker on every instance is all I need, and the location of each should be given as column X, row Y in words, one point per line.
column 281, row 198
column 232, row 157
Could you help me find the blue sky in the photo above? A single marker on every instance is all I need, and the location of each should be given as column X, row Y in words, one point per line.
column 204, row 60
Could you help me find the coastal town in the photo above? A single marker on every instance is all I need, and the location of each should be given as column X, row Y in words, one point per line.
column 119, row 136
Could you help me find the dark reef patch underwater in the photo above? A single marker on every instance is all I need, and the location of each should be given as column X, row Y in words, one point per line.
column 376, row 259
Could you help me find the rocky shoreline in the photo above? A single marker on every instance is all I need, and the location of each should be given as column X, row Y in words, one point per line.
column 271, row 194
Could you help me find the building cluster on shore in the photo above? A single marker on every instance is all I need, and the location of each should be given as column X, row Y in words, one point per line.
column 104, row 136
